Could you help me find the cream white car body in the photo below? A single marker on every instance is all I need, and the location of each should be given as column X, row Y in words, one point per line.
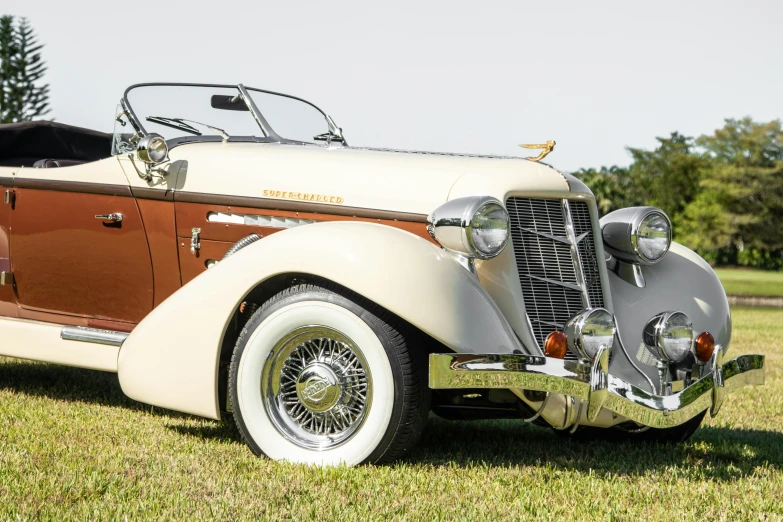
column 172, row 358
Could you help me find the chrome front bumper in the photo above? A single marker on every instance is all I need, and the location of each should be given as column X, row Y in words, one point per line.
column 594, row 386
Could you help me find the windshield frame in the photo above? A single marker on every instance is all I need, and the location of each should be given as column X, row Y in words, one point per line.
column 269, row 134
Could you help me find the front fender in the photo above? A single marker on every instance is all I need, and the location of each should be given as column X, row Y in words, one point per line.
column 682, row 281
column 171, row 358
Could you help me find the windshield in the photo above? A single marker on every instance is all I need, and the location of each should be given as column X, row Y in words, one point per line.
column 185, row 112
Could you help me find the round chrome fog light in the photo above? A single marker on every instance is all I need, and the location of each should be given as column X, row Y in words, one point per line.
column 589, row 330
column 669, row 336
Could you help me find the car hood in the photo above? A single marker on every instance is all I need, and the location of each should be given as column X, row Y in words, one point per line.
column 398, row 181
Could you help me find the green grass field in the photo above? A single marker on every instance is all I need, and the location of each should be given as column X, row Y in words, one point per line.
column 73, row 447
column 748, row 281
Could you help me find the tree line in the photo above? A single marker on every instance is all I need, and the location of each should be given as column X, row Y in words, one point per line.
column 722, row 191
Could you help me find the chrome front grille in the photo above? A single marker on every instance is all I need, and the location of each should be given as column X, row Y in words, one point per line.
column 555, row 253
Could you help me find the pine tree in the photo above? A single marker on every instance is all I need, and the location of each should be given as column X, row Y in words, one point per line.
column 21, row 71
column 7, row 53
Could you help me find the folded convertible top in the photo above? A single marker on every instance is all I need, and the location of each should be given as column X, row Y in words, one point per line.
column 22, row 144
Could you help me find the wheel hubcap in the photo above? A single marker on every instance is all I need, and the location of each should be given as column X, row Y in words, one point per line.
column 316, row 387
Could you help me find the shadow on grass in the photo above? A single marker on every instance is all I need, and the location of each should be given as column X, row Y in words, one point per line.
column 713, row 452
column 70, row 384
column 219, row 431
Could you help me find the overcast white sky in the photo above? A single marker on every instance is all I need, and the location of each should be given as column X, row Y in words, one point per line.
column 443, row 76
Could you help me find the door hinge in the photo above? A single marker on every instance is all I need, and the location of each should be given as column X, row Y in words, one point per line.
column 9, row 197
column 195, row 242
column 6, row 278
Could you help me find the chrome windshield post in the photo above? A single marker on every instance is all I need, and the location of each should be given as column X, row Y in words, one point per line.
column 335, row 131
column 260, row 120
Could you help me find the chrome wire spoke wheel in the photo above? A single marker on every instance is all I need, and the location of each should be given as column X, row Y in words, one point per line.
column 316, row 387
column 317, row 378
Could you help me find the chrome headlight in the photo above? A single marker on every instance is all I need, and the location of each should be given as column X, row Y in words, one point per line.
column 473, row 226
column 152, row 148
column 589, row 330
column 639, row 235
column 669, row 336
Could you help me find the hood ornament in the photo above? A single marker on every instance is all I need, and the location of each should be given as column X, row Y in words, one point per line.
column 548, row 147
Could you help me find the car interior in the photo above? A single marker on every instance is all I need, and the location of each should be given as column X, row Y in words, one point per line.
column 48, row 144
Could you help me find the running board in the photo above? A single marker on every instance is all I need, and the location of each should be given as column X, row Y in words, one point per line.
column 93, row 335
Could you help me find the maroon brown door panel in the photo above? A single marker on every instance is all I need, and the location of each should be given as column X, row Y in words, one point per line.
column 192, row 265
column 158, row 217
column 68, row 262
column 8, row 306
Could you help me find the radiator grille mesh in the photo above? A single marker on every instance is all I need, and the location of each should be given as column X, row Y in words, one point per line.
column 542, row 249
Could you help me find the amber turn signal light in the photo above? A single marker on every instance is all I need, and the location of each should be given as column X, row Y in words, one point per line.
column 556, row 345
column 703, row 347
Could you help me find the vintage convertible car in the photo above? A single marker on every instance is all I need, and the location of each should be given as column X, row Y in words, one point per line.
column 226, row 251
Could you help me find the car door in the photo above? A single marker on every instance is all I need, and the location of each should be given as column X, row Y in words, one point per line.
column 78, row 245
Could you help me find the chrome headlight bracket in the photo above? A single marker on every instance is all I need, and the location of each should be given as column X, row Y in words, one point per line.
column 628, row 272
column 468, row 263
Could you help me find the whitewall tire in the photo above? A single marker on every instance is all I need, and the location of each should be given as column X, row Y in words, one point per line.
column 318, row 377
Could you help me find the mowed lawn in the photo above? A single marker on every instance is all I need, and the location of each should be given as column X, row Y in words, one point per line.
column 73, row 447
column 749, row 281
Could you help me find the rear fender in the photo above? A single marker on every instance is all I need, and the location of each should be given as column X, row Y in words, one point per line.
column 171, row 358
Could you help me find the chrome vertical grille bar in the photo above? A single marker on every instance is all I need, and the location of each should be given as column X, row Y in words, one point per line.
column 574, row 240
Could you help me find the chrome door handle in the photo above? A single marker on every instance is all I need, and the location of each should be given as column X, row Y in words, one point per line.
column 114, row 217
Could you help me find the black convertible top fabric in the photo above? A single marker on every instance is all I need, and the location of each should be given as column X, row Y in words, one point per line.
column 21, row 144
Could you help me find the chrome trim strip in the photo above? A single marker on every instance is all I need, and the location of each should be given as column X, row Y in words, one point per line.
column 93, row 335
column 258, row 220
column 296, row 206
column 548, row 323
column 592, row 383
column 555, row 282
column 80, row 187
column 559, row 239
column 575, row 257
